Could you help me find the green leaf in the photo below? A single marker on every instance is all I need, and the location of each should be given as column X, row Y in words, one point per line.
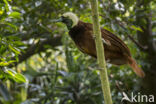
column 16, row 76
column 6, row 5
column 108, row 29
column 136, row 28
column 11, row 25
column 10, row 72
column 2, row 49
column 4, row 63
column 15, row 15
column 20, row 78
column 14, row 50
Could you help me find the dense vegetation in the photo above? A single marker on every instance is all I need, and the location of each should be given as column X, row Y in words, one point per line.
column 39, row 63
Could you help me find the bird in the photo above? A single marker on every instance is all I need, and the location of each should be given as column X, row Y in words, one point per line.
column 116, row 51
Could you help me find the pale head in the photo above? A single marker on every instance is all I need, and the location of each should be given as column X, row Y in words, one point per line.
column 72, row 17
column 69, row 18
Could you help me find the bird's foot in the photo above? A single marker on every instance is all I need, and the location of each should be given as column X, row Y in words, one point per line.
column 105, row 42
column 108, row 60
column 94, row 37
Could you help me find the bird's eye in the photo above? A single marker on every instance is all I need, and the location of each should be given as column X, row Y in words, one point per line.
column 62, row 16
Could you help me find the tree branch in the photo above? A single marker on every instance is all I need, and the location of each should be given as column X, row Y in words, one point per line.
column 141, row 47
column 37, row 48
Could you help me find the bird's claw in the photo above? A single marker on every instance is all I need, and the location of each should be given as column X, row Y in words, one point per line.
column 94, row 36
column 103, row 40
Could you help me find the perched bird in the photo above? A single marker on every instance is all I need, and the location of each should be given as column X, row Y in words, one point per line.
column 116, row 51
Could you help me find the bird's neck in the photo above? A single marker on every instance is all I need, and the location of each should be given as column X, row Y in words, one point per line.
column 77, row 30
column 71, row 24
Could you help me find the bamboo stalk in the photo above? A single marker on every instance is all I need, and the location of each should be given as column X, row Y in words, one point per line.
column 100, row 53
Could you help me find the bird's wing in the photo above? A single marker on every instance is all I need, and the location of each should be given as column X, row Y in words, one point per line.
column 116, row 42
column 89, row 28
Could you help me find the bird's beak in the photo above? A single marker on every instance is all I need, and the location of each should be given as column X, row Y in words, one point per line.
column 58, row 20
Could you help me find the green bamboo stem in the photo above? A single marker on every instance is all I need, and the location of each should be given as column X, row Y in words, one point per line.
column 100, row 53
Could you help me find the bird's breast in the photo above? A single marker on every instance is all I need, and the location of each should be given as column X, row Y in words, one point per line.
column 83, row 40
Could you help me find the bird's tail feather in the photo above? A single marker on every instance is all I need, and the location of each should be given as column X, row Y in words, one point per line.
column 135, row 67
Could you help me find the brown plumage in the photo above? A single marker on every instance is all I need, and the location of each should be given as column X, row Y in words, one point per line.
column 116, row 51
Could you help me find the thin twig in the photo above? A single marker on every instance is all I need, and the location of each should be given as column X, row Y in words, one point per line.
column 122, row 25
column 143, row 48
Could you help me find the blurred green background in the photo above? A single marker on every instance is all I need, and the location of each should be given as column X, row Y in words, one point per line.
column 40, row 64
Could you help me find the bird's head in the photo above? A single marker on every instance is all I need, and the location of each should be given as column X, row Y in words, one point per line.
column 69, row 18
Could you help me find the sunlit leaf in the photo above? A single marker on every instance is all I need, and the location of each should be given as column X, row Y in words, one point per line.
column 15, row 15
column 136, row 28
column 14, row 50
column 16, row 76
column 19, row 78
column 11, row 72
column 1, row 12
column 4, row 63
column 6, row 5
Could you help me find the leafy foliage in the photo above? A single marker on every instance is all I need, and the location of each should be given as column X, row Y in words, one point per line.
column 40, row 64
column 10, row 45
